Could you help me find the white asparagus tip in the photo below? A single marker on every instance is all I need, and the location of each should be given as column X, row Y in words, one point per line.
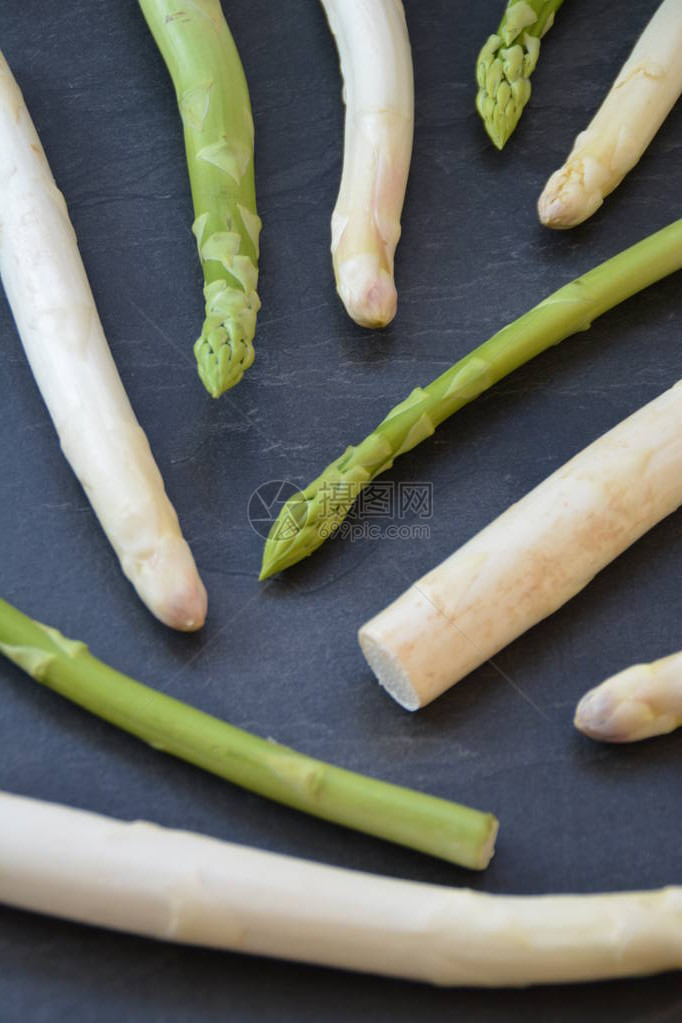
column 601, row 717
column 367, row 290
column 643, row 701
column 48, row 291
column 567, row 199
column 168, row 583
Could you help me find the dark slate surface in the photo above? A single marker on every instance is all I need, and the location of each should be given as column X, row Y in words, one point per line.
column 282, row 659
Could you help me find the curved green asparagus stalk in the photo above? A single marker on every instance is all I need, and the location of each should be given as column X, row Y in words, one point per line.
column 506, row 63
column 431, row 825
column 213, row 98
column 311, row 516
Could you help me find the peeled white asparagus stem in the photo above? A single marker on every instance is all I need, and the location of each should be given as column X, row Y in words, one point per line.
column 637, row 703
column 532, row 559
column 60, row 329
column 376, row 64
column 183, row 887
column 638, row 103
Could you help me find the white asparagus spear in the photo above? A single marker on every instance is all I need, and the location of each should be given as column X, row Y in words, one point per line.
column 183, row 887
column 532, row 559
column 60, row 329
column 376, row 64
column 638, row 103
column 637, row 703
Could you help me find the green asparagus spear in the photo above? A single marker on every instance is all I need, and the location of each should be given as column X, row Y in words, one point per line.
column 431, row 825
column 506, row 63
column 311, row 516
column 213, row 98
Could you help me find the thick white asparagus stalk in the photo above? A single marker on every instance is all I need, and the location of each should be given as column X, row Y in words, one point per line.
column 532, row 559
column 60, row 329
column 376, row 64
column 183, row 887
column 638, row 103
column 638, row 703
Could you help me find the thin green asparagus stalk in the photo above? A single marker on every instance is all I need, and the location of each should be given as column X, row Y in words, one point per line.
column 311, row 516
column 213, row 98
column 431, row 825
column 506, row 63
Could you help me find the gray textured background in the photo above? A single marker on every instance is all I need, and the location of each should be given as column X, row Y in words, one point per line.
column 282, row 659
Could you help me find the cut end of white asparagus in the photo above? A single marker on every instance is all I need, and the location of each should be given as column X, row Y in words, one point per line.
column 389, row 671
column 170, row 586
column 571, row 196
column 367, row 290
column 532, row 559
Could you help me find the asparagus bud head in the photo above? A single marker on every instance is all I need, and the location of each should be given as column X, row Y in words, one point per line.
column 642, row 96
column 224, row 350
column 638, row 703
column 507, row 61
column 503, row 74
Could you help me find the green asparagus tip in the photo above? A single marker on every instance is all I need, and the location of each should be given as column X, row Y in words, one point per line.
column 222, row 361
column 298, row 531
column 499, row 139
column 278, row 556
column 316, row 513
column 506, row 63
column 503, row 75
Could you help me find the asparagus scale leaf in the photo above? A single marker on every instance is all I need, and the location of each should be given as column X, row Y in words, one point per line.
column 431, row 825
column 506, row 63
column 313, row 515
column 214, row 103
